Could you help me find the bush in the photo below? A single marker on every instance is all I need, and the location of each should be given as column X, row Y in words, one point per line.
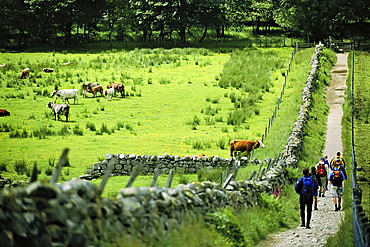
column 3, row 166
column 20, row 166
column 90, row 126
column 213, row 175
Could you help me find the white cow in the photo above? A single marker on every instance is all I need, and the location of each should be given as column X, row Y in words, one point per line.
column 109, row 93
column 66, row 94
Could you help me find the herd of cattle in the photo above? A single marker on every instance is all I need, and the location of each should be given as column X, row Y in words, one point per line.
column 94, row 88
column 65, row 94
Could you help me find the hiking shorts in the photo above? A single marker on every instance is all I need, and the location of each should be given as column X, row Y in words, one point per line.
column 336, row 191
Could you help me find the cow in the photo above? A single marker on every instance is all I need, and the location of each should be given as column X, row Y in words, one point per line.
column 197, row 156
column 47, row 70
column 87, row 86
column 67, row 63
column 4, row 113
column 97, row 89
column 66, row 94
column 244, row 146
column 59, row 109
column 109, row 93
column 2, row 65
column 25, row 73
column 119, row 87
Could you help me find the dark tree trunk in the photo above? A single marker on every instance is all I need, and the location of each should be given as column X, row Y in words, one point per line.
column 183, row 34
column 204, row 35
column 218, row 32
column 68, row 33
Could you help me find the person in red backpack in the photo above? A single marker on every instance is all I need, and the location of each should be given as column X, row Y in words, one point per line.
column 323, row 171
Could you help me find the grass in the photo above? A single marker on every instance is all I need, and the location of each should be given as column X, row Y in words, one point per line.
column 362, row 128
column 157, row 120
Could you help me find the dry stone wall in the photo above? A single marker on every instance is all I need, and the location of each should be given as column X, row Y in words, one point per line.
column 74, row 214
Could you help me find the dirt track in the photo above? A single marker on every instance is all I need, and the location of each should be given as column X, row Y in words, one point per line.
column 325, row 221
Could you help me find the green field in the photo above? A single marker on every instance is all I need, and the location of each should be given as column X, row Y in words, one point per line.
column 362, row 129
column 174, row 104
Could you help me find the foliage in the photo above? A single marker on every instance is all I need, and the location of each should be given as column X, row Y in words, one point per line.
column 226, row 224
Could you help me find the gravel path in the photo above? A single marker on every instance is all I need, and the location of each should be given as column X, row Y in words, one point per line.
column 325, row 221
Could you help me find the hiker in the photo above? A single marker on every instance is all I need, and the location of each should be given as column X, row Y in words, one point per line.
column 326, row 161
column 336, row 178
column 306, row 188
column 335, row 158
column 317, row 179
column 323, row 172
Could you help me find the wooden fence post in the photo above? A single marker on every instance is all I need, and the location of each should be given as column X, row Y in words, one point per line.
column 34, row 173
column 227, row 181
column 61, row 163
column 108, row 172
column 170, row 176
column 156, row 175
column 135, row 172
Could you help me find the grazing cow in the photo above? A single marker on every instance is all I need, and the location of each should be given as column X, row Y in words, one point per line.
column 97, row 89
column 66, row 94
column 119, row 87
column 67, row 63
column 2, row 65
column 109, row 93
column 87, row 87
column 244, row 146
column 25, row 73
column 47, row 70
column 59, row 109
column 4, row 113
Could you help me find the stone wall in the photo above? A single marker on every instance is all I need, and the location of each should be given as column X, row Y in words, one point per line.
column 74, row 214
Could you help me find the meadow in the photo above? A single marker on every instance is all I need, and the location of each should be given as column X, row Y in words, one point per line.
column 157, row 115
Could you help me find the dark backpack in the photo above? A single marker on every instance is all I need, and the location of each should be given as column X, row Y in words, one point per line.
column 321, row 170
column 337, row 178
column 307, row 189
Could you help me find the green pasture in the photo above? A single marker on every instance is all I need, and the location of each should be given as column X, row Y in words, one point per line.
column 174, row 104
column 362, row 129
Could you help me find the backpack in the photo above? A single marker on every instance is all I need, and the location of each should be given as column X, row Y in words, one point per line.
column 307, row 189
column 321, row 170
column 337, row 178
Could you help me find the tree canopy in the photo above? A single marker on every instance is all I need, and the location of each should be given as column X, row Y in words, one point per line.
column 73, row 21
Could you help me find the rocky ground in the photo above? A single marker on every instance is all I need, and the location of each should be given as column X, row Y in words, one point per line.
column 325, row 221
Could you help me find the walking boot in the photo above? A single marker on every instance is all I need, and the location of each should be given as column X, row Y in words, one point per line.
column 308, row 226
column 336, row 208
column 316, row 207
column 303, row 224
column 320, row 194
column 339, row 207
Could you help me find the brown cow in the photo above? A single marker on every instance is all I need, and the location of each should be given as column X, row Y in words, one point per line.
column 244, row 146
column 4, row 113
column 118, row 87
column 25, row 73
column 97, row 89
column 87, row 87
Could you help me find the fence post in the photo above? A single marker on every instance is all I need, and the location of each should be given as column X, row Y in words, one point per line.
column 156, row 175
column 134, row 174
column 252, row 176
column 227, row 181
column 108, row 171
column 170, row 176
column 34, row 173
column 61, row 163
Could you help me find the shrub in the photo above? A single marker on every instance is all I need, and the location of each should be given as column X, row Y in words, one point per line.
column 43, row 132
column 64, row 131
column 3, row 166
column 213, row 175
column 49, row 171
column 90, row 126
column 77, row 130
column 222, row 143
column 20, row 166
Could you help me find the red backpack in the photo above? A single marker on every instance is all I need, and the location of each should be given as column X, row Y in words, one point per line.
column 321, row 170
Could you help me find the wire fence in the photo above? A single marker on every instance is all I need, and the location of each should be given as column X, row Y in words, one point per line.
column 361, row 227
